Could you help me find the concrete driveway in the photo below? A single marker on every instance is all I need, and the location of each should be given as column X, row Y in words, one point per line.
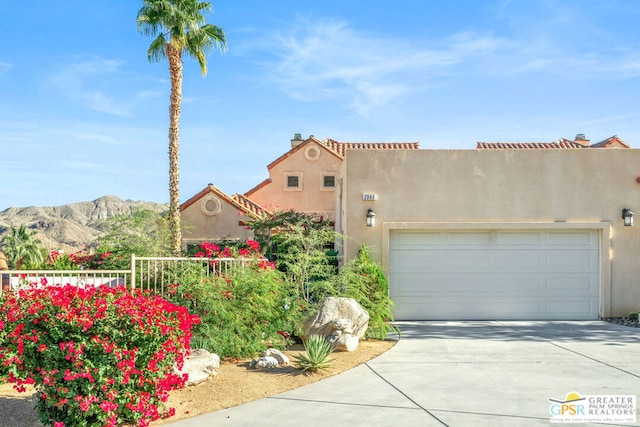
column 460, row 374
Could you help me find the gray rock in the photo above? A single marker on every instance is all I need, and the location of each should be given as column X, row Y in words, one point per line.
column 344, row 342
column 278, row 355
column 266, row 362
column 199, row 366
column 336, row 313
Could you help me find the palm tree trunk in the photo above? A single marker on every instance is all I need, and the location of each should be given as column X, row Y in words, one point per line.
column 175, row 72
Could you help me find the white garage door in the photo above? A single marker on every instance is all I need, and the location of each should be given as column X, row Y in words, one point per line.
column 494, row 274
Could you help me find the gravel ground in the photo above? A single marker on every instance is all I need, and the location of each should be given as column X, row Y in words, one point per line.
column 625, row 321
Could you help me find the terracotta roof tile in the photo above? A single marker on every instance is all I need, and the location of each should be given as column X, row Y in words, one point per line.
column 562, row 143
column 559, row 144
column 250, row 206
column 238, row 201
column 610, row 141
column 341, row 147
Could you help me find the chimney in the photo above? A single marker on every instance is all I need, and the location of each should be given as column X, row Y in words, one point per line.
column 582, row 140
column 297, row 140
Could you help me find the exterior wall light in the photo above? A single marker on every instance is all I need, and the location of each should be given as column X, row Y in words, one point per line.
column 371, row 218
column 627, row 216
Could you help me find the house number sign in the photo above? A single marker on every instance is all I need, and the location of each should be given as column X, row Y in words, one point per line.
column 368, row 196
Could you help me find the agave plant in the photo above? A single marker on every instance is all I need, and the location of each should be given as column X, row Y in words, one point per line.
column 317, row 350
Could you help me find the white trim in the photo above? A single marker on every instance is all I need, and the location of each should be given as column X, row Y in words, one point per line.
column 308, row 156
column 217, row 203
column 286, row 181
column 335, row 181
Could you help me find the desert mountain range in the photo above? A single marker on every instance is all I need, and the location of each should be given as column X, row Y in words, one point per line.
column 70, row 227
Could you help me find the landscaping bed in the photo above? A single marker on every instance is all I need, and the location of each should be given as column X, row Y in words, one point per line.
column 625, row 321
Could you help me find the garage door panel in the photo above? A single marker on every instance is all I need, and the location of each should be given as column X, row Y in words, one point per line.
column 575, row 285
column 518, row 285
column 495, row 274
column 576, row 306
column 572, row 261
column 520, row 261
column 468, row 262
column 577, row 238
column 514, row 308
column 518, row 239
column 467, row 239
column 406, row 261
column 439, row 285
column 401, row 239
column 443, row 260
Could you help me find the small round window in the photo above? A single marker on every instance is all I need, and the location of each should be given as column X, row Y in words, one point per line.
column 312, row 153
column 211, row 205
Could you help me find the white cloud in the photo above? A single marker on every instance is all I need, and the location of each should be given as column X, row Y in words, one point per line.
column 97, row 83
column 5, row 67
column 330, row 60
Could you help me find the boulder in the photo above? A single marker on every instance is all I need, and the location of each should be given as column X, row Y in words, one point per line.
column 344, row 341
column 334, row 314
column 277, row 354
column 199, row 366
column 342, row 321
column 264, row 362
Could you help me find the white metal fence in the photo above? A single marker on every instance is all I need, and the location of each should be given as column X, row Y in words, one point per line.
column 148, row 273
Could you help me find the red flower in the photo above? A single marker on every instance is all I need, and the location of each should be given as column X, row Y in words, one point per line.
column 255, row 246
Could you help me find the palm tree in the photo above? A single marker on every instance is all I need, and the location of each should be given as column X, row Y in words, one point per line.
column 22, row 247
column 179, row 27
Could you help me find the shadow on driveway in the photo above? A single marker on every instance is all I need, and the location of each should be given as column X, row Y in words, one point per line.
column 585, row 331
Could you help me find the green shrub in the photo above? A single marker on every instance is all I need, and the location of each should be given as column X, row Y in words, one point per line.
column 243, row 312
column 317, row 350
column 61, row 261
column 633, row 315
column 97, row 356
column 363, row 280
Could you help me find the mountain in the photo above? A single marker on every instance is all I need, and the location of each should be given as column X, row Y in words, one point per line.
column 70, row 227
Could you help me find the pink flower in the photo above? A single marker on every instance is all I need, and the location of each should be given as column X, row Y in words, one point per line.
column 255, row 246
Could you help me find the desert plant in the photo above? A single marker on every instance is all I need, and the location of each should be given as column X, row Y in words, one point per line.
column 244, row 311
column 179, row 28
column 633, row 315
column 304, row 256
column 363, row 280
column 317, row 350
column 269, row 231
column 22, row 248
column 143, row 232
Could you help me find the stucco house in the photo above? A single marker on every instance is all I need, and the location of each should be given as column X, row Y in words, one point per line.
column 305, row 178
column 499, row 232
column 211, row 215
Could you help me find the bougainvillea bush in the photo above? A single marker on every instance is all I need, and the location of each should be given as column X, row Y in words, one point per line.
column 96, row 356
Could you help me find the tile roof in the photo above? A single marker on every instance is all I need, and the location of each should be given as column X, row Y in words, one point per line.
column 561, row 143
column 341, row 147
column 610, row 141
column 338, row 149
column 238, row 201
column 250, row 206
column 258, row 187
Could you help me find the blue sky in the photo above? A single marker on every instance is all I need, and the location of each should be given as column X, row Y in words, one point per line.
column 83, row 113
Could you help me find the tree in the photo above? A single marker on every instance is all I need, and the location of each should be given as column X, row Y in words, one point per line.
column 302, row 247
column 179, row 27
column 21, row 247
column 143, row 232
